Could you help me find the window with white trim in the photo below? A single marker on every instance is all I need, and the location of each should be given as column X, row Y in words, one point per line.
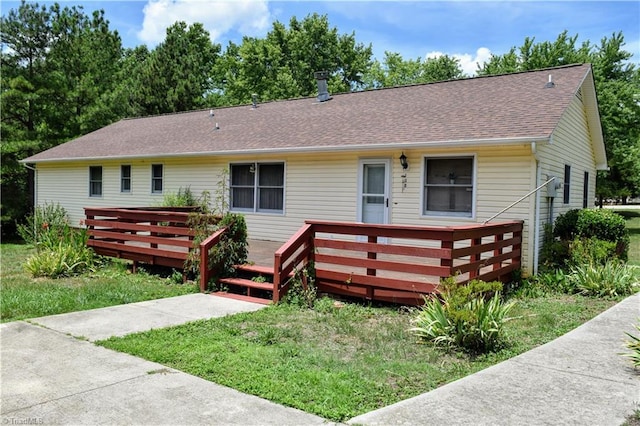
column 125, row 178
column 95, row 181
column 257, row 187
column 156, row 178
column 448, row 186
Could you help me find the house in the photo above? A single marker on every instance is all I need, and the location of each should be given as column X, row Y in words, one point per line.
column 448, row 153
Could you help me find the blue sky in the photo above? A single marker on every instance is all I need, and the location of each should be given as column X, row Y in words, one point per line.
column 470, row 31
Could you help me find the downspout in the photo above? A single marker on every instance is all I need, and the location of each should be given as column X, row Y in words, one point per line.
column 35, row 190
column 536, row 219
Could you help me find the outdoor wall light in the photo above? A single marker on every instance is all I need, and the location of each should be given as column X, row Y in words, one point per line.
column 403, row 162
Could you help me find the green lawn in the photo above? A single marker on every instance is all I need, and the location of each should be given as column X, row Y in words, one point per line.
column 23, row 297
column 338, row 362
column 633, row 224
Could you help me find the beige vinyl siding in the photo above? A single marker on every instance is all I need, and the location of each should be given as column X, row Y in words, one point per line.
column 321, row 186
column 502, row 176
column 570, row 145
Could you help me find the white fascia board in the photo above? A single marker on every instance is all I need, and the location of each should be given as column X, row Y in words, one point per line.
column 341, row 148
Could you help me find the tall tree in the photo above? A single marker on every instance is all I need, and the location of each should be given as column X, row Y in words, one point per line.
column 177, row 75
column 282, row 64
column 396, row 71
column 618, row 89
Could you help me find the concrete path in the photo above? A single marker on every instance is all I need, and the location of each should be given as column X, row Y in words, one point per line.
column 51, row 374
column 577, row 379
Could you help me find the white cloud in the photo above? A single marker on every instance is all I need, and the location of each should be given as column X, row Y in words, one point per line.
column 468, row 62
column 218, row 17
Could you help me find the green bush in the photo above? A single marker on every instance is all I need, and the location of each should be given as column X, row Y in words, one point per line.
column 60, row 261
column 60, row 249
column 591, row 251
column 564, row 226
column 470, row 316
column 45, row 226
column 634, row 346
column 585, row 236
column 302, row 288
column 613, row 279
column 186, row 198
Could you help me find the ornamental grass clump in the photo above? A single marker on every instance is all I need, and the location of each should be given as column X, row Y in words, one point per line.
column 634, row 346
column 60, row 249
column 470, row 317
column 613, row 279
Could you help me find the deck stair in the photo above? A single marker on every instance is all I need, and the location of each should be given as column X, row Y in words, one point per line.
column 253, row 283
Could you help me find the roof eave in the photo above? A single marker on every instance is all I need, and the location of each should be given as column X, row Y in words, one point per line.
column 334, row 148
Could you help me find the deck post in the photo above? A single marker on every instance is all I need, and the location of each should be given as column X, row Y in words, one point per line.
column 498, row 251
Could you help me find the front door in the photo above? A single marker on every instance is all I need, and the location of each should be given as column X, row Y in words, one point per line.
column 373, row 205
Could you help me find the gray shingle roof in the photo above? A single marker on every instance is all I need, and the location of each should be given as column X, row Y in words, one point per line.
column 484, row 109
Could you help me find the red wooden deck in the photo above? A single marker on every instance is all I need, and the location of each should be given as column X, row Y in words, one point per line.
column 393, row 263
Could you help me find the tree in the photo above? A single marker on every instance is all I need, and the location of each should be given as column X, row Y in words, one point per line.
column 618, row 89
column 176, row 75
column 282, row 64
column 396, row 71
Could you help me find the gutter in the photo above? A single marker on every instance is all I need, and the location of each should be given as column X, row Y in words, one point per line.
column 462, row 143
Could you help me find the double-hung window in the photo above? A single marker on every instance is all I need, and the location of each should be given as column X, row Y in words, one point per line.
column 448, row 186
column 156, row 178
column 257, row 187
column 95, row 181
column 125, row 178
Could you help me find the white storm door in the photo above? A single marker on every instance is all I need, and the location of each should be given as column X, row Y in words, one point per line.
column 373, row 197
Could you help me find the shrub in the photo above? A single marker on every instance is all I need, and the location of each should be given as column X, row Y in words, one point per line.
column 186, row 198
column 302, row 288
column 612, row 279
column 470, row 316
column 585, row 236
column 230, row 251
column 634, row 346
column 565, row 225
column 45, row 226
column 70, row 256
column 591, row 250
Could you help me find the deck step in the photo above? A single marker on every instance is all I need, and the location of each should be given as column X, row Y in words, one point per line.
column 242, row 297
column 256, row 269
column 242, row 282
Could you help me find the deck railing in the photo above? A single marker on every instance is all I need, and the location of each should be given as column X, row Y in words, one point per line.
column 207, row 272
column 398, row 263
column 152, row 235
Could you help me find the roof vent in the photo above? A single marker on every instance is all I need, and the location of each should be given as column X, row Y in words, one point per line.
column 323, row 91
column 254, row 100
column 550, row 83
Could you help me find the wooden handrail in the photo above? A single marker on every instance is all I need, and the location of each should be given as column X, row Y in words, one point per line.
column 285, row 262
column 205, row 246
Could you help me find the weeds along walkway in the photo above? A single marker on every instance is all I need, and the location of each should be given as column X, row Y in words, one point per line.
column 579, row 378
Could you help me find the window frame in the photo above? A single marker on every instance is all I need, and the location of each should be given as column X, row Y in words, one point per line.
column 124, row 178
column 256, row 187
column 100, row 181
column 585, row 191
column 430, row 214
column 155, row 179
column 566, row 185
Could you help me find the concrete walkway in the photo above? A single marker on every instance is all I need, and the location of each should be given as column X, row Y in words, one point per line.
column 51, row 373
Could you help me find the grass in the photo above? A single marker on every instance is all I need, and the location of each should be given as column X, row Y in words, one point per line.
column 23, row 297
column 633, row 225
column 340, row 362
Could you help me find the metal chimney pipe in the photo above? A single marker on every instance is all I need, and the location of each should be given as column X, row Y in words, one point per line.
column 323, row 91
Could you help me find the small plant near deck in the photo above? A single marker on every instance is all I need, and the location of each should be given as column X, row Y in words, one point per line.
column 302, row 288
column 60, row 249
column 634, row 346
column 185, row 198
column 469, row 316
